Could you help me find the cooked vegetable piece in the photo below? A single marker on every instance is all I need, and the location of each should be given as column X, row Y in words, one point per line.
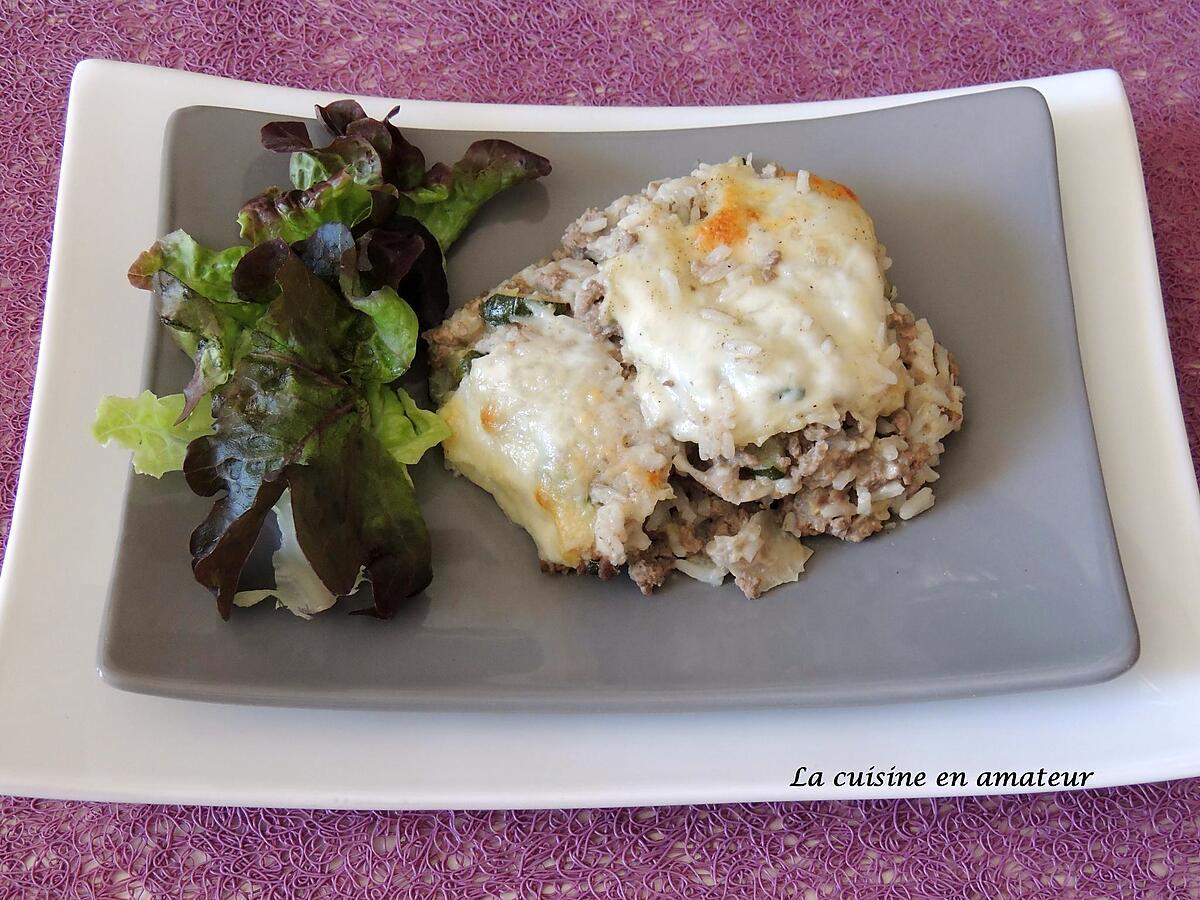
column 500, row 309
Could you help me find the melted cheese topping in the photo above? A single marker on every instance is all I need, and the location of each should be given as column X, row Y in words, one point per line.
column 546, row 423
column 761, row 317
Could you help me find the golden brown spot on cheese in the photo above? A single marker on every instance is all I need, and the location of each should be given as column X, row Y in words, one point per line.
column 489, row 418
column 656, row 478
column 728, row 225
column 542, row 498
column 834, row 190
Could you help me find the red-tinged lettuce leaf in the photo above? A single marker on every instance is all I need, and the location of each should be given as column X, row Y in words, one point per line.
column 357, row 509
column 373, row 151
column 255, row 274
column 406, row 257
column 389, row 274
column 221, row 544
column 383, row 207
column 369, row 273
column 285, row 137
column 307, row 169
column 385, row 336
column 377, row 155
column 289, row 416
column 307, row 324
column 294, row 215
column 403, row 164
column 487, row 168
column 356, row 155
column 310, row 164
column 355, row 158
column 388, row 254
column 211, row 331
column 284, row 398
column 338, row 115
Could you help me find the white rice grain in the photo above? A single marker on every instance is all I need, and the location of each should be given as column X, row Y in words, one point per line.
column 702, row 568
column 717, row 254
column 593, row 225
column 864, row 503
column 890, row 490
column 733, row 289
column 741, row 348
column 916, row 504
column 671, row 283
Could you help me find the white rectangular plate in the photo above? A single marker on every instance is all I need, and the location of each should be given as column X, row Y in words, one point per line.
column 69, row 735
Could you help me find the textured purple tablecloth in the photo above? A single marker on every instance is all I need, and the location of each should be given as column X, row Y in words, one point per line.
column 1141, row 841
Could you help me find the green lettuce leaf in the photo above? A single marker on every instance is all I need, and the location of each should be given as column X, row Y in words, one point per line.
column 148, row 426
column 207, row 272
column 449, row 197
column 199, row 302
column 387, row 332
column 387, row 339
column 288, row 417
column 209, row 331
column 306, row 169
column 294, row 215
column 426, row 194
column 404, row 429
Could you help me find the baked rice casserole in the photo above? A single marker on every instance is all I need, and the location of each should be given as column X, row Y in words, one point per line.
column 700, row 376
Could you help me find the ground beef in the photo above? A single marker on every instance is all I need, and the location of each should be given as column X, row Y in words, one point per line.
column 586, row 306
column 649, row 572
column 906, row 335
column 767, row 273
column 803, row 517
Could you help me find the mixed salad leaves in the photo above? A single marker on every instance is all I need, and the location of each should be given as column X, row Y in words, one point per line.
column 299, row 338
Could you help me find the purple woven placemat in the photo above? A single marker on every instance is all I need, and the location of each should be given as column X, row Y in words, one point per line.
column 1142, row 841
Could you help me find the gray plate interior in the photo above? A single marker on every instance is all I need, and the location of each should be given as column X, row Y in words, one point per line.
column 1012, row 581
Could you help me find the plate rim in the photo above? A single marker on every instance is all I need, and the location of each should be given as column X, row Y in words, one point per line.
column 75, row 731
